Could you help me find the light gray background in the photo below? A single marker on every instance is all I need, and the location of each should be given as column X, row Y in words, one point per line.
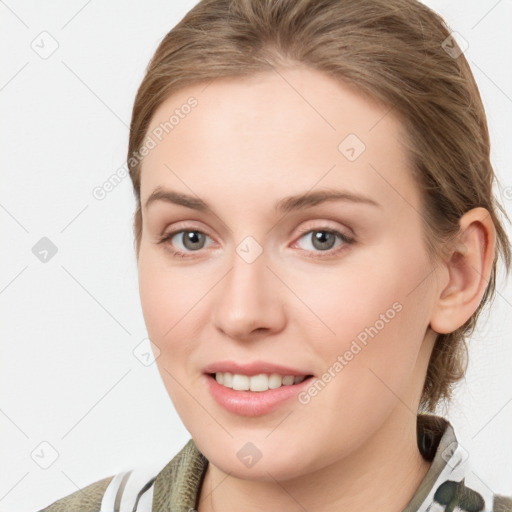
column 69, row 327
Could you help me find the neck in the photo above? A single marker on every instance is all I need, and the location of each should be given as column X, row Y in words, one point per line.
column 382, row 475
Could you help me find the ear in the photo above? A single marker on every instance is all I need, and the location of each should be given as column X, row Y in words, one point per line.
column 466, row 272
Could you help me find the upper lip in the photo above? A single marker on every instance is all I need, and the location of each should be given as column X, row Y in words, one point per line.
column 254, row 368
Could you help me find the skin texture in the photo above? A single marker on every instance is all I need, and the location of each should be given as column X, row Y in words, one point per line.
column 249, row 143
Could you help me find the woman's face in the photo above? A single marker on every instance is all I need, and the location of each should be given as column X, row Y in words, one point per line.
column 339, row 289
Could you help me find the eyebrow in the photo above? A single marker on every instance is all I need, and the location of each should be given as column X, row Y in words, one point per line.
column 285, row 205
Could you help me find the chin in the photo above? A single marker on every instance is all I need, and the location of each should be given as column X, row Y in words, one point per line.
column 265, row 461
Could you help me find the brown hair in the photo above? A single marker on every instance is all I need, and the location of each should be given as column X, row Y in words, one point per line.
column 398, row 52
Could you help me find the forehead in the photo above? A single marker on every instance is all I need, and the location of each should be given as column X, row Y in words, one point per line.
column 277, row 130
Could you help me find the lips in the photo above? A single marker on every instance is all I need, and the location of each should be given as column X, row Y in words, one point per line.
column 260, row 400
column 253, row 403
column 254, row 368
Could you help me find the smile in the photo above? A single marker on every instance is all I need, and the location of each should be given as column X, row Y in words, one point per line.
column 260, row 382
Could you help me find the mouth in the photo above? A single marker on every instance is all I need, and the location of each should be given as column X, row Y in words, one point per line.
column 257, row 383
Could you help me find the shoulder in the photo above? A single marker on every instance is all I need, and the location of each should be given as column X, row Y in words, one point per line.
column 178, row 485
column 87, row 499
column 502, row 503
column 139, row 488
column 119, row 493
column 451, row 481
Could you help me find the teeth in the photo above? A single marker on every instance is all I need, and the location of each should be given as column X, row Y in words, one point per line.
column 240, row 382
column 261, row 382
column 288, row 380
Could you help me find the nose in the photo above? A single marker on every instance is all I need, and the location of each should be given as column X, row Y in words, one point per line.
column 249, row 300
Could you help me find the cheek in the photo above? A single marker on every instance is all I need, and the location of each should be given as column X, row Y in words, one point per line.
column 338, row 305
column 155, row 303
column 164, row 307
column 163, row 297
column 173, row 302
column 374, row 315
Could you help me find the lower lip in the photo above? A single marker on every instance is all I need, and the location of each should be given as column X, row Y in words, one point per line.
column 253, row 403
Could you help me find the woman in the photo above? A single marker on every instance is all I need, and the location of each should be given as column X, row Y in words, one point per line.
column 316, row 235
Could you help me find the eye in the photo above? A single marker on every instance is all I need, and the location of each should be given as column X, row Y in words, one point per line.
column 322, row 240
column 182, row 243
column 191, row 240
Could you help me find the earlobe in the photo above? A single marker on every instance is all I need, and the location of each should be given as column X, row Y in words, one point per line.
column 468, row 266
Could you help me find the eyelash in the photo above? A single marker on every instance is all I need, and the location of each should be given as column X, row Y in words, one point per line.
column 347, row 240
